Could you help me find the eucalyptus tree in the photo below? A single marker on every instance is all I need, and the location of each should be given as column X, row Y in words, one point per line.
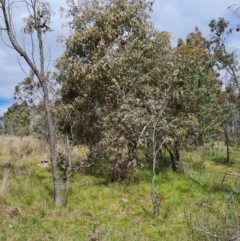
column 228, row 65
column 107, row 72
column 35, row 25
column 192, row 111
column 235, row 9
column 17, row 119
column 226, row 61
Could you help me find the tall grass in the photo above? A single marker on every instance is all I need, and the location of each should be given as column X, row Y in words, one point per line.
column 20, row 146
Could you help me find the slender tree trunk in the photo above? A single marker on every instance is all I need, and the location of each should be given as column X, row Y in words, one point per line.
column 51, row 131
column 10, row 129
column 39, row 71
column 227, row 143
column 153, row 192
column 52, row 145
column 177, row 159
column 173, row 160
column 132, row 150
column 68, row 174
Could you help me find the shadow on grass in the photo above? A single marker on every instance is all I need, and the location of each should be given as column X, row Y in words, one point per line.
column 12, row 168
column 7, row 166
column 49, row 190
column 225, row 188
column 222, row 160
column 40, row 177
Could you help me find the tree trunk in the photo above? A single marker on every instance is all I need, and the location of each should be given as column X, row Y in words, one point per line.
column 200, row 140
column 10, row 129
column 132, row 150
column 154, row 196
column 227, row 143
column 52, row 145
column 117, row 171
column 132, row 155
column 34, row 10
column 177, row 159
column 174, row 158
column 51, row 131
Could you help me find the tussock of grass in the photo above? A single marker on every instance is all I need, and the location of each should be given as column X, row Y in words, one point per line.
column 4, row 184
column 118, row 211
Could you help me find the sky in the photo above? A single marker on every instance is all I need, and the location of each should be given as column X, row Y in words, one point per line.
column 178, row 17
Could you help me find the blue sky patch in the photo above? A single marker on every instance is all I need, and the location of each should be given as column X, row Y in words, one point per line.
column 6, row 101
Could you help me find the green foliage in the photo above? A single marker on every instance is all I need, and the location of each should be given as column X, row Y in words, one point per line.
column 194, row 104
column 17, row 119
column 109, row 73
column 105, row 42
column 227, row 62
column 118, row 73
column 219, row 27
column 29, row 91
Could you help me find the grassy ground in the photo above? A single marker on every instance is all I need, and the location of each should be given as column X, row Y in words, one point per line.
column 118, row 211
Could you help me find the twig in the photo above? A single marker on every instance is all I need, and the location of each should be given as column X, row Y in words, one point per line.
column 232, row 174
column 224, row 177
column 194, row 179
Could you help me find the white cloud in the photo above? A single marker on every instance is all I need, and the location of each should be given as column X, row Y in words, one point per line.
column 180, row 17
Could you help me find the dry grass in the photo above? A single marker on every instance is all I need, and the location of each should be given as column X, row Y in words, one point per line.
column 4, row 183
column 16, row 151
column 15, row 146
